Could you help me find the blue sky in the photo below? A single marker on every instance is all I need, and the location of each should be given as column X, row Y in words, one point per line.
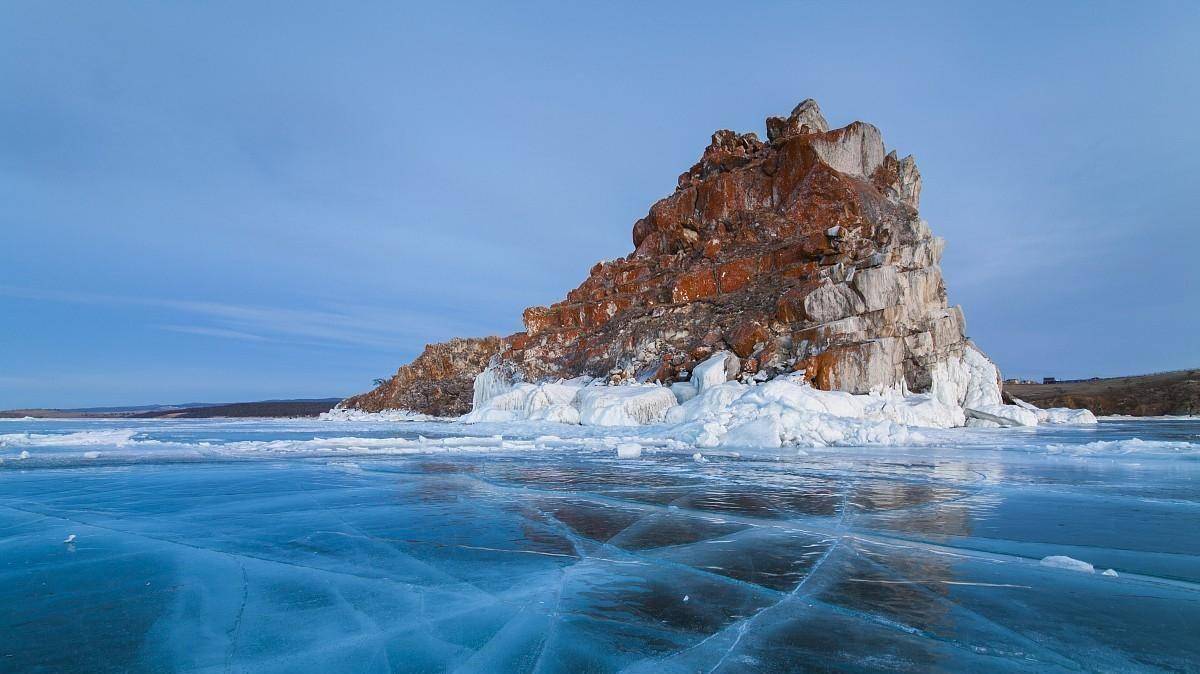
column 235, row 201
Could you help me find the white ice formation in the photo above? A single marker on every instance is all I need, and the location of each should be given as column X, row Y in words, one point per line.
column 713, row 410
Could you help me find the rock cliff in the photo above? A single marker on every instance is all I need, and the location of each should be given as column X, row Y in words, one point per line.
column 803, row 252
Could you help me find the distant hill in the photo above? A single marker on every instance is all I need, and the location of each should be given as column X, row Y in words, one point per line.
column 266, row 408
column 303, row 407
column 1142, row 395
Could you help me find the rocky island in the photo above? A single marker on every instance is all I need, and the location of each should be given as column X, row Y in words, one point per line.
column 801, row 258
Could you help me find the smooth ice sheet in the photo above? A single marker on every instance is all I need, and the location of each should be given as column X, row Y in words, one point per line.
column 379, row 545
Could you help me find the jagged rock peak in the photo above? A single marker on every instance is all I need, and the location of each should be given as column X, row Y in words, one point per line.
column 809, row 113
column 805, row 118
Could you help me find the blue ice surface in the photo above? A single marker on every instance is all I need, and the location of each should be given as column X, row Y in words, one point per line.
column 285, row 545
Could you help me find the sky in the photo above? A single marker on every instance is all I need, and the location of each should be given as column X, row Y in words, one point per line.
column 227, row 201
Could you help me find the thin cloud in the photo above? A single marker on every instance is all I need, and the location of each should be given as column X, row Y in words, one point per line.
column 349, row 325
column 214, row 332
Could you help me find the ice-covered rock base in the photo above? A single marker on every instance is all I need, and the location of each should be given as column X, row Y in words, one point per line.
column 713, row 410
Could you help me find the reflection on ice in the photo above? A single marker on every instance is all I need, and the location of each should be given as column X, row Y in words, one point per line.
column 378, row 546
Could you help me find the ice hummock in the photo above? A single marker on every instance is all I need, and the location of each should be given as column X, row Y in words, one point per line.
column 711, row 410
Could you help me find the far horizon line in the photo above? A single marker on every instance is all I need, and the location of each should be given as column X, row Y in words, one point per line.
column 196, row 404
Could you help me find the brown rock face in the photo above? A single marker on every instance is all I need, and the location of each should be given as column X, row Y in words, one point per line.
column 438, row 382
column 803, row 252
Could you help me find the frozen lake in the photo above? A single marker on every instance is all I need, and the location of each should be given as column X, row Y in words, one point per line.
column 284, row 545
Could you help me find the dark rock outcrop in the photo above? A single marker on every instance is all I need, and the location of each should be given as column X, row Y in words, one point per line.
column 804, row 252
column 438, row 382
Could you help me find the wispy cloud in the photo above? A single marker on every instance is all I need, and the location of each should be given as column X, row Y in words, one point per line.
column 214, row 332
column 343, row 325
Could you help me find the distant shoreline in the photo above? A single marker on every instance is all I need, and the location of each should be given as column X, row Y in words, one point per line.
column 1160, row 394
column 260, row 409
column 1150, row 395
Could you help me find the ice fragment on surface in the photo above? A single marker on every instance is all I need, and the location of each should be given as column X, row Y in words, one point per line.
column 70, row 539
column 117, row 438
column 1110, row 572
column 629, row 450
column 1148, row 448
column 1057, row 415
column 1067, row 563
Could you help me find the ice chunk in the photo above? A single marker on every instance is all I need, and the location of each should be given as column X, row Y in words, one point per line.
column 1067, row 563
column 70, row 539
column 629, row 450
column 1058, row 415
column 1001, row 415
column 624, row 405
column 970, row 380
column 489, row 384
column 684, row 391
column 521, row 401
column 710, row 403
column 1066, row 415
column 1148, row 448
column 558, row 413
column 718, row 369
column 1110, row 572
column 765, row 431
